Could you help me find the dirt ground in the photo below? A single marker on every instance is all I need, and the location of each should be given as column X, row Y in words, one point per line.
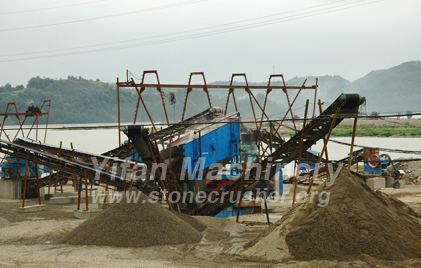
column 31, row 241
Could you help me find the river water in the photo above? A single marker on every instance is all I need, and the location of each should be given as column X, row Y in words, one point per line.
column 101, row 140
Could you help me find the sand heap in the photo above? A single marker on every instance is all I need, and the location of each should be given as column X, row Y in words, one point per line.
column 356, row 221
column 223, row 225
column 4, row 223
column 140, row 224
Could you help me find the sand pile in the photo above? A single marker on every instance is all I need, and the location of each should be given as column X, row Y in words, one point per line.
column 356, row 221
column 140, row 224
column 4, row 223
column 224, row 225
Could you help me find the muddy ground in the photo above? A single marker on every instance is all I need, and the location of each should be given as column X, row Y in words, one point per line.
column 31, row 241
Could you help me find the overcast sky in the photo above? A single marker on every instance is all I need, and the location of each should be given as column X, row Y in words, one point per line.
column 101, row 39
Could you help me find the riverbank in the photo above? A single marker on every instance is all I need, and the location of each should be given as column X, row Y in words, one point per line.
column 369, row 128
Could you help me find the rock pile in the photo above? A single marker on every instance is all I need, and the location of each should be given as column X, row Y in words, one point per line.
column 412, row 170
column 140, row 224
column 356, row 221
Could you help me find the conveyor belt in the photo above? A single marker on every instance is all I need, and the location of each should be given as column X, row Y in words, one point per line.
column 70, row 166
column 68, row 153
column 312, row 159
column 175, row 129
column 345, row 104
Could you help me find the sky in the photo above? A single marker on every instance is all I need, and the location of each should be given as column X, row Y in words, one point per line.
column 101, row 39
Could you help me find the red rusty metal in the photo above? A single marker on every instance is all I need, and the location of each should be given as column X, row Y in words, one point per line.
column 129, row 84
column 290, row 107
column 7, row 114
column 231, row 91
column 139, row 92
column 118, row 113
column 242, row 187
column 24, row 184
column 37, row 176
column 49, row 183
column 140, row 87
column 153, row 151
column 352, row 143
column 86, row 190
column 153, row 145
column 326, row 140
column 300, row 154
column 205, row 88
column 35, row 114
column 106, row 186
column 79, row 192
column 315, row 98
column 247, row 89
column 159, row 88
column 289, row 104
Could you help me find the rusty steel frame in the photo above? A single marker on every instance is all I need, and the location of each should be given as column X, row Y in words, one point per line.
column 242, row 187
column 300, row 154
column 17, row 114
column 352, row 143
column 152, row 143
column 326, row 140
column 57, row 164
column 205, row 88
column 24, row 185
column 140, row 88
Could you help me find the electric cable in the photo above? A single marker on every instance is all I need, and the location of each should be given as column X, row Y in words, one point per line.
column 381, row 149
column 49, row 8
column 210, row 123
column 104, row 17
column 180, row 38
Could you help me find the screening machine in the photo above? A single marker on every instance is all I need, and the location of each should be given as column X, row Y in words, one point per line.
column 218, row 141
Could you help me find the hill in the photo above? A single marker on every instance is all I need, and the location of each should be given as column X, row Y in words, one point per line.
column 396, row 89
column 77, row 100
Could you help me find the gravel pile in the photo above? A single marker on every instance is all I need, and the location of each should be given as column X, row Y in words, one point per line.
column 356, row 221
column 140, row 224
column 412, row 170
column 4, row 223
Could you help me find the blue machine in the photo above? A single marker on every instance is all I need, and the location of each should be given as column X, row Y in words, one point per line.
column 281, row 182
column 13, row 166
column 375, row 165
column 217, row 146
column 231, row 211
column 307, row 166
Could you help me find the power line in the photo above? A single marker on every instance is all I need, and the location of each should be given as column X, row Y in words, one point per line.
column 50, row 8
column 210, row 122
column 380, row 149
column 179, row 38
column 105, row 17
column 176, row 33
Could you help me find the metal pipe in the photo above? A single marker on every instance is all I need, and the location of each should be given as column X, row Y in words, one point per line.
column 352, row 144
column 124, row 84
column 325, row 148
column 24, row 185
column 118, row 113
column 242, row 187
column 86, row 190
column 139, row 92
column 315, row 98
column 39, row 195
column 79, row 192
column 300, row 154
